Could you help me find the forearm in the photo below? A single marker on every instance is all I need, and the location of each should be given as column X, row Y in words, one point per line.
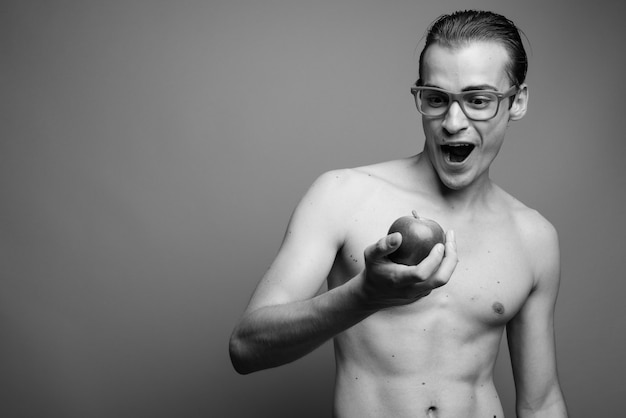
column 554, row 411
column 274, row 335
column 553, row 406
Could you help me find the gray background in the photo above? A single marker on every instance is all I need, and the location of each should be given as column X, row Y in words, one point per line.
column 151, row 153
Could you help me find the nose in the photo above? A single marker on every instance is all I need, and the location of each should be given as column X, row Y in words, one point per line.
column 455, row 119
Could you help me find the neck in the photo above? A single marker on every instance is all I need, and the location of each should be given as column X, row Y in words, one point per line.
column 465, row 198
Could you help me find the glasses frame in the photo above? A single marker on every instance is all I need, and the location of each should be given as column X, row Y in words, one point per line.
column 458, row 97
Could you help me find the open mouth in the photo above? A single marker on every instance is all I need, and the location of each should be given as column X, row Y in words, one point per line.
column 457, row 153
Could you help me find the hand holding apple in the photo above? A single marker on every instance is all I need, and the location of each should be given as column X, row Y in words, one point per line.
column 419, row 236
column 392, row 276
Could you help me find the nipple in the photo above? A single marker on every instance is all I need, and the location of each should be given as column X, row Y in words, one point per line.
column 432, row 412
column 498, row 308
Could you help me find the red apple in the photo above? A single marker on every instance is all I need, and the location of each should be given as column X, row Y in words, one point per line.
column 419, row 236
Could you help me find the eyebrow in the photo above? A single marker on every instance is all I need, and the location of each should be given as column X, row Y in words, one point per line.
column 468, row 88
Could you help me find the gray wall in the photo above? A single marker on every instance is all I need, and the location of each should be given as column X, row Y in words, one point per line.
column 151, row 153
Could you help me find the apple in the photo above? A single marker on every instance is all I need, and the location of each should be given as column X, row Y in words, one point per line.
column 419, row 236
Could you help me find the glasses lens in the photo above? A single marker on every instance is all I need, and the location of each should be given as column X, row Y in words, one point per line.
column 432, row 102
column 477, row 105
column 480, row 105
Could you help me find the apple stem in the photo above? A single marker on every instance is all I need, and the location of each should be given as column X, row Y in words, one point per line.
column 414, row 212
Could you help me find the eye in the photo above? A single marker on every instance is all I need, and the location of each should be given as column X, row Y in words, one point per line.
column 434, row 99
column 479, row 100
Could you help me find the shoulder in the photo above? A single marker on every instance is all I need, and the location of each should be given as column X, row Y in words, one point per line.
column 334, row 188
column 349, row 183
column 537, row 233
column 335, row 195
column 531, row 224
column 329, row 201
column 539, row 239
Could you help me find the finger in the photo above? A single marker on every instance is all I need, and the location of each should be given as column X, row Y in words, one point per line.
column 451, row 238
column 428, row 266
column 384, row 246
column 417, row 275
column 448, row 264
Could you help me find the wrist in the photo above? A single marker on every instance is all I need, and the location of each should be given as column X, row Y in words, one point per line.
column 362, row 295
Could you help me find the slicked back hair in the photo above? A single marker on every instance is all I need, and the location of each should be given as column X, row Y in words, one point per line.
column 462, row 27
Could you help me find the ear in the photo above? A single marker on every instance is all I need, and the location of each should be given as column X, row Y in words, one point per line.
column 520, row 103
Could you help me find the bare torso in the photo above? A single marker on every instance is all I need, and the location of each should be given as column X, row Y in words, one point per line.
column 435, row 357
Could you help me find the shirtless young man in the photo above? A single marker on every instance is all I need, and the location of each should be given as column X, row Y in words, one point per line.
column 422, row 341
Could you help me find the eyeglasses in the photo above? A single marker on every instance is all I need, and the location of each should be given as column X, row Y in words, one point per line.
column 478, row 105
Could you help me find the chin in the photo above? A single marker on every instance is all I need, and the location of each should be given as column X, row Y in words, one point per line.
column 455, row 182
column 453, row 185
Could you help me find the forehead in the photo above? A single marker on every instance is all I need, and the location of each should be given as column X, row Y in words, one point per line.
column 476, row 64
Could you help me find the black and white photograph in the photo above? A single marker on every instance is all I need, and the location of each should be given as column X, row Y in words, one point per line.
column 289, row 208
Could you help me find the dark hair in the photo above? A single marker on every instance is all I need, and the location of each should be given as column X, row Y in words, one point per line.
column 470, row 25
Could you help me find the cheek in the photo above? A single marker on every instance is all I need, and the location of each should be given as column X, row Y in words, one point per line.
column 492, row 135
column 491, row 145
column 430, row 129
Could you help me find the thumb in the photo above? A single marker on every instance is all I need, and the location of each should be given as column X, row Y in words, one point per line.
column 384, row 246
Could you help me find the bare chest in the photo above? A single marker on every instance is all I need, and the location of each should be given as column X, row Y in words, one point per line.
column 491, row 281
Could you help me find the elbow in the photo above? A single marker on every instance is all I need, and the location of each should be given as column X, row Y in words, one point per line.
column 239, row 356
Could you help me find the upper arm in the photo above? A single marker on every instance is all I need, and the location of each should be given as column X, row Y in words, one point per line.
column 313, row 237
column 531, row 332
